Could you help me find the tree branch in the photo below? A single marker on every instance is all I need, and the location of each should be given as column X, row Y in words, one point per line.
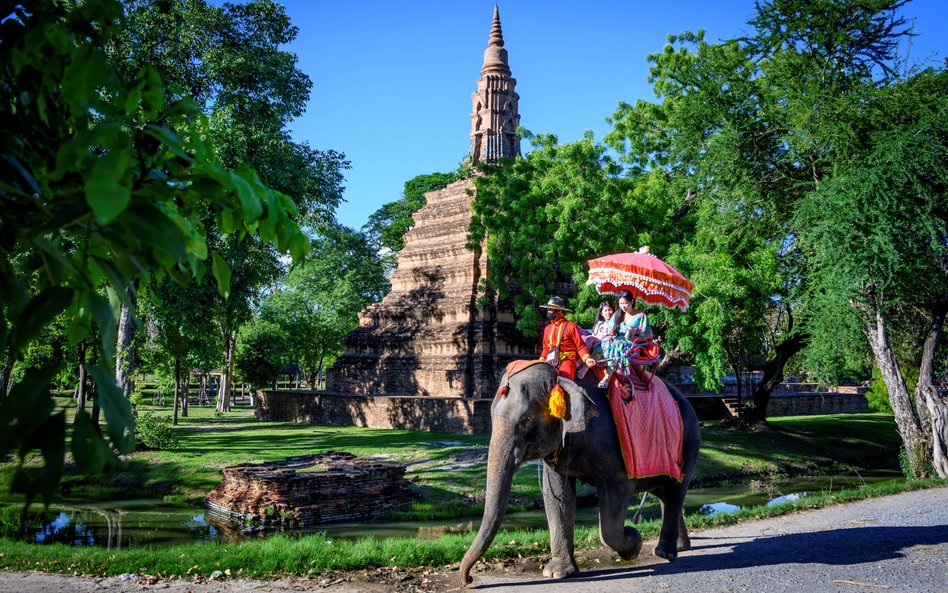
column 685, row 206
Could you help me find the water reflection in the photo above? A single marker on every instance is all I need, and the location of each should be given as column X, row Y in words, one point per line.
column 786, row 498
column 716, row 508
column 135, row 523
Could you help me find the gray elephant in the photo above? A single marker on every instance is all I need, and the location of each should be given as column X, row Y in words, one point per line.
column 583, row 445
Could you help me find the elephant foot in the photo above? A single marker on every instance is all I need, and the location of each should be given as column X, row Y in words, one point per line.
column 669, row 553
column 560, row 569
column 631, row 551
column 684, row 543
column 628, row 545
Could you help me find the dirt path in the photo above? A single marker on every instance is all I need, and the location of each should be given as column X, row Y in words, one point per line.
column 896, row 543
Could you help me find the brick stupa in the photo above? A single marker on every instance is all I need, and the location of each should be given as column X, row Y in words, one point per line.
column 429, row 336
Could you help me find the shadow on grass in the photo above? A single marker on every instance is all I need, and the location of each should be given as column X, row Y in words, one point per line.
column 798, row 446
column 138, row 479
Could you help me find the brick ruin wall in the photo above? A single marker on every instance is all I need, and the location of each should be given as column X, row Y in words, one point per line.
column 307, row 490
column 434, row 334
column 441, row 414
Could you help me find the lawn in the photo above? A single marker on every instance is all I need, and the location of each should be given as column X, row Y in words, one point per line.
column 448, row 471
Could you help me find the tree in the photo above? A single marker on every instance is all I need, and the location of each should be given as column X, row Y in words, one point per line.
column 745, row 129
column 542, row 216
column 181, row 335
column 322, row 296
column 97, row 189
column 261, row 353
column 713, row 146
column 878, row 232
column 228, row 60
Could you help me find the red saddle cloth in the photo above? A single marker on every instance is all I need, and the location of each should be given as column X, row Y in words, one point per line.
column 649, row 425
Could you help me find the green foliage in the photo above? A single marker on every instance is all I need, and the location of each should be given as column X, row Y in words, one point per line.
column 107, row 181
column 155, row 433
column 755, row 134
column 542, row 216
column 878, row 394
column 261, row 353
column 230, row 59
column 137, row 399
column 322, row 296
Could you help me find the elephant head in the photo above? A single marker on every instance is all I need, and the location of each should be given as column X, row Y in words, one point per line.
column 523, row 427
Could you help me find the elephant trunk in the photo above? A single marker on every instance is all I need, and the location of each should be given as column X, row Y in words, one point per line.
column 503, row 458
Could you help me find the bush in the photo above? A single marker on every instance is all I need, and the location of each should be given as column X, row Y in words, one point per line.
column 155, row 433
column 137, row 399
column 878, row 395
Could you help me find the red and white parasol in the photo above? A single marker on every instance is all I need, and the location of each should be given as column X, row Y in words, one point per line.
column 647, row 277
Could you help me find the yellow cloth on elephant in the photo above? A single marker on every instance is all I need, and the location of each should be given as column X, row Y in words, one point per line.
column 558, row 402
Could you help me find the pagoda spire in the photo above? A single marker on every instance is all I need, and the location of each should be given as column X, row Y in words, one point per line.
column 495, row 117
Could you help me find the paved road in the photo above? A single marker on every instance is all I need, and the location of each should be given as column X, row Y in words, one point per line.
column 896, row 543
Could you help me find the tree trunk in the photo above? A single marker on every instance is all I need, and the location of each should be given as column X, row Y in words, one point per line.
column 124, row 352
column 202, row 388
column 81, row 389
column 773, row 376
column 187, row 394
column 936, row 403
column 227, row 373
column 177, row 390
column 230, row 395
column 5, row 371
column 665, row 363
column 914, row 438
column 94, row 390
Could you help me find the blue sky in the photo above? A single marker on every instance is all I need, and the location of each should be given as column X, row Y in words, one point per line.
column 392, row 81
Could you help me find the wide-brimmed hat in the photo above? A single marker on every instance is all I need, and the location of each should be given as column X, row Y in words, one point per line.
column 556, row 303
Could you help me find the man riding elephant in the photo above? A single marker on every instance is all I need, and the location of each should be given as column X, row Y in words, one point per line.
column 563, row 345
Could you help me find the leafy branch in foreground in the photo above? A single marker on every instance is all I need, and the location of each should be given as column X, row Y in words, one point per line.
column 102, row 185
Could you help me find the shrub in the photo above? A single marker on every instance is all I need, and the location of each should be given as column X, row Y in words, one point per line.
column 155, row 433
column 878, row 397
column 137, row 399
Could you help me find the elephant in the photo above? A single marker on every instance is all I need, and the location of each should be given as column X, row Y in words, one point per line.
column 584, row 445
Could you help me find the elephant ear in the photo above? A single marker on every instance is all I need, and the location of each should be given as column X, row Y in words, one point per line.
column 576, row 405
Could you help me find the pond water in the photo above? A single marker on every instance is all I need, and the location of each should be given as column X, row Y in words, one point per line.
column 135, row 523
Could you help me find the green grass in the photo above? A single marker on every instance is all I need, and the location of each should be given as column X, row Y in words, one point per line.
column 280, row 555
column 448, row 471
column 799, row 446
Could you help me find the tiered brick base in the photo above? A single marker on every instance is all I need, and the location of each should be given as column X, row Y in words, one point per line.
column 308, row 490
column 429, row 336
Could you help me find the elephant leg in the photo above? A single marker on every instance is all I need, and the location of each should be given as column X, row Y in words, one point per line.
column 684, row 541
column 559, row 500
column 673, row 533
column 613, row 508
